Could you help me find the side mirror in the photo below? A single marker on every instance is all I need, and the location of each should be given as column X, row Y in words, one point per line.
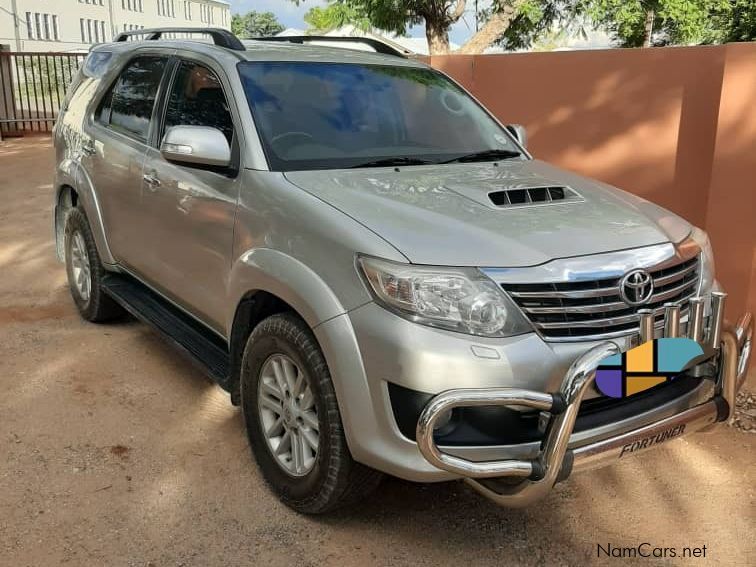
column 198, row 145
column 519, row 132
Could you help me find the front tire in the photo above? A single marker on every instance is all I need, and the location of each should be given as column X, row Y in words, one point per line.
column 85, row 271
column 293, row 420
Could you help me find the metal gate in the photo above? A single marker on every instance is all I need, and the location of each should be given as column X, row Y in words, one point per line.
column 32, row 88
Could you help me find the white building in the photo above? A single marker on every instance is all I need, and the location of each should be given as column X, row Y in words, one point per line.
column 69, row 25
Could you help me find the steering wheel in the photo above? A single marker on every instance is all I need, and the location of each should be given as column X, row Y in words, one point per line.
column 286, row 135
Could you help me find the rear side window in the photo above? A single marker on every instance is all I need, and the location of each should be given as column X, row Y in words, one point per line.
column 128, row 107
column 96, row 64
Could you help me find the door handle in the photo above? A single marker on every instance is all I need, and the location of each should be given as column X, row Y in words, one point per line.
column 152, row 181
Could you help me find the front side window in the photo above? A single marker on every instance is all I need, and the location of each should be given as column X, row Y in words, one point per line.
column 128, row 107
column 335, row 115
column 197, row 99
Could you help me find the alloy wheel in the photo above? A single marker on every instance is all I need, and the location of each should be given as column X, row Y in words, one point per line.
column 80, row 266
column 288, row 415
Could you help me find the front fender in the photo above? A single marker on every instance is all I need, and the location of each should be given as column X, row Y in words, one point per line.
column 70, row 173
column 279, row 274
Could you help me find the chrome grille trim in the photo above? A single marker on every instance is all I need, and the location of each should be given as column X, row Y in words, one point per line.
column 675, row 277
column 601, row 292
column 589, row 308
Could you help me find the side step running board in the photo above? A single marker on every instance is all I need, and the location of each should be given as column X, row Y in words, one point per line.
column 200, row 344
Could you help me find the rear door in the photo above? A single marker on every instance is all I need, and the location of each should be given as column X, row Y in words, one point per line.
column 193, row 207
column 114, row 153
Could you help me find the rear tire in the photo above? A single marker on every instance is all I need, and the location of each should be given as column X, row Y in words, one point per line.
column 85, row 271
column 288, row 398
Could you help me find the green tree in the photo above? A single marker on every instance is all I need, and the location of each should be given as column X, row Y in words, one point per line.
column 538, row 20
column 501, row 15
column 643, row 23
column 398, row 15
column 336, row 15
column 255, row 24
column 733, row 20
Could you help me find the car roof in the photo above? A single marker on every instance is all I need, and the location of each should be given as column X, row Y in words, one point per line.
column 266, row 51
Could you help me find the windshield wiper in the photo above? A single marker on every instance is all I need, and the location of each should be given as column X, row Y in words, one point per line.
column 385, row 162
column 485, row 155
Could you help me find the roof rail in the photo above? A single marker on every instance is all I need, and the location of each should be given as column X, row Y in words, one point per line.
column 379, row 46
column 221, row 37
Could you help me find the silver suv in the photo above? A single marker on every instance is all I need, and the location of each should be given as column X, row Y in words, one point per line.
column 375, row 268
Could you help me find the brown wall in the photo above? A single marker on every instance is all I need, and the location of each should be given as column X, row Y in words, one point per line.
column 676, row 126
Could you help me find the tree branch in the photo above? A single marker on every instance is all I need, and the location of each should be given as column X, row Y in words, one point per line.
column 494, row 28
column 458, row 11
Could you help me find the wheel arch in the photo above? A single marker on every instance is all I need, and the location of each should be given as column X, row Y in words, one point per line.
column 65, row 199
column 74, row 188
column 265, row 282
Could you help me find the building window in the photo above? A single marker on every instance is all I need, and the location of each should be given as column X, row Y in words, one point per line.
column 166, row 8
column 42, row 27
column 187, row 10
column 92, row 31
column 134, row 5
column 206, row 14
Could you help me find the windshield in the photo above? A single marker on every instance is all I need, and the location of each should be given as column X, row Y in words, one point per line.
column 334, row 115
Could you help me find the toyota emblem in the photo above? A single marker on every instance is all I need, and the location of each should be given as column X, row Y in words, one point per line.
column 636, row 287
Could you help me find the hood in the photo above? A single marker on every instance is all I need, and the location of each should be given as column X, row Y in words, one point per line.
column 442, row 215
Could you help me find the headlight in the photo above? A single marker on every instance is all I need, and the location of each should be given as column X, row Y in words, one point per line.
column 707, row 260
column 458, row 299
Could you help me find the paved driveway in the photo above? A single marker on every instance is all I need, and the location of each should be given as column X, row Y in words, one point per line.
column 114, row 450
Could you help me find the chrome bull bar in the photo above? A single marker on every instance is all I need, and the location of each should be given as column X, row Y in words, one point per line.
column 729, row 346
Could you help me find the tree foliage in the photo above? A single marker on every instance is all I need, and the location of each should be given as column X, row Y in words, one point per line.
column 394, row 16
column 515, row 24
column 733, row 20
column 636, row 23
column 336, row 15
column 539, row 19
column 255, row 24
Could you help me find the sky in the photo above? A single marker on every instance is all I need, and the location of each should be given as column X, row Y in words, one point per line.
column 290, row 15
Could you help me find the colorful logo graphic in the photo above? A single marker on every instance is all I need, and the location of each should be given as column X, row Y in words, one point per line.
column 646, row 366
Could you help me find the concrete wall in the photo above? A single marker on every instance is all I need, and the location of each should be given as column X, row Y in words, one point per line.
column 676, row 126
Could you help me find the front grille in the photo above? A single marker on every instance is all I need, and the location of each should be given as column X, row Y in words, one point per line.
column 594, row 309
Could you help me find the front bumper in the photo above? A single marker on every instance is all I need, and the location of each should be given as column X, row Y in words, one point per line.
column 520, row 482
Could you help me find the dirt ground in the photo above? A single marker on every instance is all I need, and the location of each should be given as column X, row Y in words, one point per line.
column 115, row 451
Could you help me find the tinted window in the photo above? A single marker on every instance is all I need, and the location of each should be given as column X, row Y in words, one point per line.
column 128, row 107
column 97, row 63
column 332, row 115
column 197, row 99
